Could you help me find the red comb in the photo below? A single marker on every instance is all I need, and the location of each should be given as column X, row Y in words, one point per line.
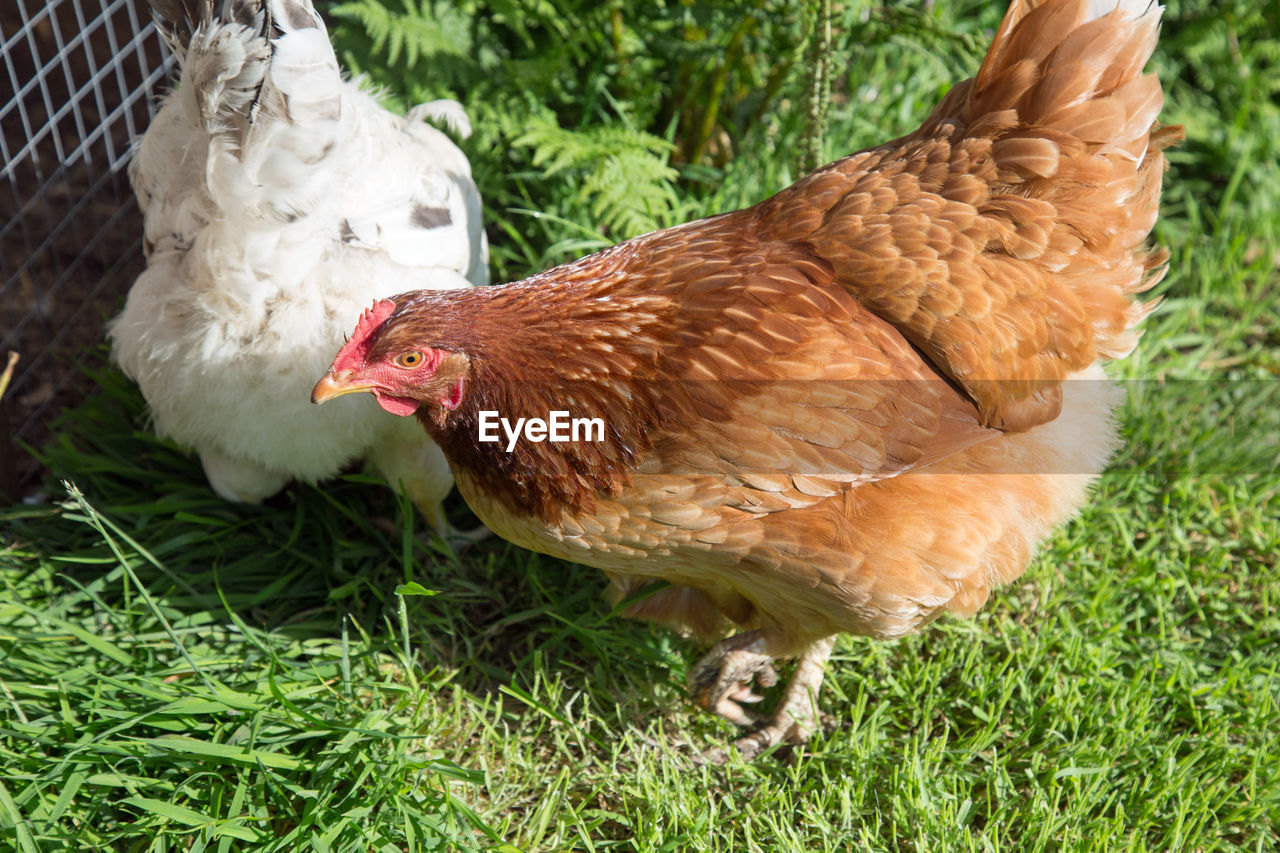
column 352, row 354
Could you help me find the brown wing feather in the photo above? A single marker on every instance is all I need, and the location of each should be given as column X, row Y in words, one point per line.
column 821, row 396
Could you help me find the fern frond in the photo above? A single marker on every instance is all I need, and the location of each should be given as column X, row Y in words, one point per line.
column 416, row 30
column 624, row 173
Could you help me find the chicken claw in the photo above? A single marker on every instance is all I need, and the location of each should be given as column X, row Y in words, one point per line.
column 719, row 681
column 797, row 716
column 457, row 540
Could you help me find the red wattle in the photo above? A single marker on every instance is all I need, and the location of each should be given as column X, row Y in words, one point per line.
column 402, row 406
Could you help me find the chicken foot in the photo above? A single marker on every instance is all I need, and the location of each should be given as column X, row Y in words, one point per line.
column 719, row 682
column 420, row 470
column 458, row 540
column 797, row 716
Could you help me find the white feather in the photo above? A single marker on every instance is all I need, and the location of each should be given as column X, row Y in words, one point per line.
column 449, row 113
column 1134, row 9
column 280, row 202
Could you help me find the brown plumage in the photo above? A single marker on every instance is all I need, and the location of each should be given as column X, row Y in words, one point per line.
column 850, row 408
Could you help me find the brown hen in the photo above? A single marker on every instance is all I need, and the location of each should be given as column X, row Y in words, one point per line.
column 850, row 408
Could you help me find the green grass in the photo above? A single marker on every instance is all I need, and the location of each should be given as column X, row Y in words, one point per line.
column 180, row 673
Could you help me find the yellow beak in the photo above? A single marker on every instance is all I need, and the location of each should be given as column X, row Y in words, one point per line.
column 331, row 386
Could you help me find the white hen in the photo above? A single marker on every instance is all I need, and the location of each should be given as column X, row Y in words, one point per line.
column 279, row 202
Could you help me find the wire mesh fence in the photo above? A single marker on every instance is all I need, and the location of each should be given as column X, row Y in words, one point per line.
column 79, row 79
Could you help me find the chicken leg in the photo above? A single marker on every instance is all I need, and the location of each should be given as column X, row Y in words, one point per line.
column 420, row 469
column 240, row 480
column 720, row 682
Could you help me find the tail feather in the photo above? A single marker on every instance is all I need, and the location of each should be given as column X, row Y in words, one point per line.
column 1006, row 237
column 296, row 126
column 1074, row 67
column 223, row 68
column 179, row 19
column 1072, row 118
column 261, row 79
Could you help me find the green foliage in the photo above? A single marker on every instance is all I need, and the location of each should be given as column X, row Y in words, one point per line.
column 410, row 32
column 622, row 171
column 1222, row 62
column 242, row 678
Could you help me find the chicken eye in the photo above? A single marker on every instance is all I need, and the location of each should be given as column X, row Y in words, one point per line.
column 410, row 359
